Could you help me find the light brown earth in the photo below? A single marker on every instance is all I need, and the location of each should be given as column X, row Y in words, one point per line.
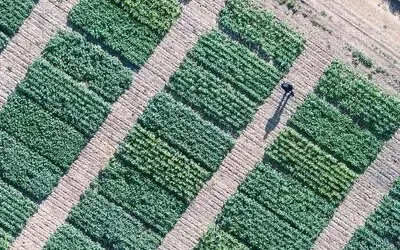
column 330, row 27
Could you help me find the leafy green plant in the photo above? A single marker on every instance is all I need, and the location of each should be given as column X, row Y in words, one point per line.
column 13, row 13
column 68, row 237
column 335, row 133
column 89, row 64
column 183, row 129
column 159, row 15
column 358, row 98
column 359, row 57
column 306, row 162
column 108, row 22
column 217, row 239
column 224, row 81
column 259, row 30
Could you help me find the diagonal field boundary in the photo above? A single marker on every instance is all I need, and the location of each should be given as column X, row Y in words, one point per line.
column 197, row 18
column 46, row 18
column 248, row 150
column 363, row 198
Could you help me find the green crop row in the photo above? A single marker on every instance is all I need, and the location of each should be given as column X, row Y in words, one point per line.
column 15, row 209
column 40, row 132
column 258, row 227
column 235, row 65
column 26, row 170
column 115, row 27
column 159, row 15
column 336, row 133
column 259, row 30
column 109, row 225
column 153, row 157
column 220, row 88
column 310, row 165
column 88, row 64
column 186, row 131
column 13, row 13
column 139, row 195
column 288, row 199
column 217, row 239
column 64, row 98
column 367, row 240
column 357, row 97
column 68, row 237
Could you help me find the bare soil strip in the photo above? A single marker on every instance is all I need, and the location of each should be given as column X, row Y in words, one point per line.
column 46, row 18
column 197, row 18
column 248, row 150
column 363, row 198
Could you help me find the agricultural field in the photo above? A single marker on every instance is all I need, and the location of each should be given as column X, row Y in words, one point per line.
column 12, row 15
column 307, row 171
column 169, row 97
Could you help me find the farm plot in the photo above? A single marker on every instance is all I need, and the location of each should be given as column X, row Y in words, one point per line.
column 12, row 14
column 290, row 197
column 173, row 149
column 133, row 33
column 58, row 107
column 381, row 230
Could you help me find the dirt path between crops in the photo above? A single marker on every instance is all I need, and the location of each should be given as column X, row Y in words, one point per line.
column 363, row 198
column 248, row 150
column 46, row 18
column 197, row 18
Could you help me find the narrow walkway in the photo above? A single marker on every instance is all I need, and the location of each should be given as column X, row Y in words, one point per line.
column 198, row 17
column 248, row 150
column 46, row 18
column 363, row 198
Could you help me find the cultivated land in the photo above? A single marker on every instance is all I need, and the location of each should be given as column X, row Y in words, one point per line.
column 161, row 125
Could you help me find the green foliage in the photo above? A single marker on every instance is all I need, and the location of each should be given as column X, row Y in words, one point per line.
column 186, row 131
column 31, row 173
column 106, row 21
column 64, row 98
column 167, row 166
column 40, row 132
column 367, row 240
column 5, row 240
column 87, row 63
column 224, row 81
column 139, row 196
column 357, row 97
column 235, row 65
column 260, row 31
column 336, row 133
column 288, row 199
column 15, row 209
column 3, row 44
column 109, row 225
column 159, row 15
column 68, row 237
column 307, row 163
column 217, row 239
column 359, row 57
column 13, row 13
column 258, row 227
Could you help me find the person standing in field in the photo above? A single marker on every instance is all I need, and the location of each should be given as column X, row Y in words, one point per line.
column 288, row 88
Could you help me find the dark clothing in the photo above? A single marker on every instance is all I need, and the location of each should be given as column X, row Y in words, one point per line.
column 287, row 87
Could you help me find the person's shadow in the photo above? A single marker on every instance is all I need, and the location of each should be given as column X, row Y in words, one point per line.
column 274, row 120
